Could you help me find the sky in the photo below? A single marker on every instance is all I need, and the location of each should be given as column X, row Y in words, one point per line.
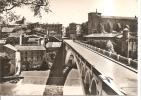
column 67, row 11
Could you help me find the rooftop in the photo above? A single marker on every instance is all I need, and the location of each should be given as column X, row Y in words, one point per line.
column 2, row 41
column 7, row 29
column 25, row 48
column 115, row 17
column 14, row 34
column 109, row 35
column 53, row 44
column 29, row 48
column 119, row 17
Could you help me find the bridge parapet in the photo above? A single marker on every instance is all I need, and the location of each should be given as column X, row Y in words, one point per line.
column 113, row 56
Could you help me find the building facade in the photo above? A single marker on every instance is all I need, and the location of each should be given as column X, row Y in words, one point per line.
column 54, row 29
column 24, row 57
column 109, row 24
column 125, row 41
column 100, row 40
column 73, row 30
column 46, row 29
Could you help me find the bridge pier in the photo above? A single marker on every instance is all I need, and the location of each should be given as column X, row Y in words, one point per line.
column 56, row 76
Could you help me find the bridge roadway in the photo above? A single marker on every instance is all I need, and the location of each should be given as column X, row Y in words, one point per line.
column 124, row 78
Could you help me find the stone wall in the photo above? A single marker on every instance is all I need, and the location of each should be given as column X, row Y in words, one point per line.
column 101, row 24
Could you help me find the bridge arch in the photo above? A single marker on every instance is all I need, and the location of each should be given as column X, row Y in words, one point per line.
column 92, row 88
column 95, row 87
column 84, row 69
column 88, row 77
column 92, row 84
column 87, row 81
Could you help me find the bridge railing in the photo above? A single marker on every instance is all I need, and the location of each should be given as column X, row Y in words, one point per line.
column 113, row 56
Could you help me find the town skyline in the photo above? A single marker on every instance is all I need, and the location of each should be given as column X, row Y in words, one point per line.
column 67, row 11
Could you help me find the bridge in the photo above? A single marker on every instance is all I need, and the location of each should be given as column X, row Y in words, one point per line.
column 93, row 71
column 100, row 74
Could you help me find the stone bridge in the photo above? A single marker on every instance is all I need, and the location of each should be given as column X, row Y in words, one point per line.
column 100, row 75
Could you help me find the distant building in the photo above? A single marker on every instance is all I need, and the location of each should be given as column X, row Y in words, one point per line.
column 124, row 43
column 18, row 55
column 100, row 40
column 22, row 21
column 67, row 32
column 84, row 28
column 63, row 31
column 54, row 29
column 93, row 20
column 109, row 24
column 73, row 30
column 46, row 29
column 5, row 31
column 92, row 37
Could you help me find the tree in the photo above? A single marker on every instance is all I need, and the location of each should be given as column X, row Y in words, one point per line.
column 109, row 27
column 100, row 28
column 84, row 29
column 35, row 5
column 7, row 17
column 110, row 46
column 118, row 27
